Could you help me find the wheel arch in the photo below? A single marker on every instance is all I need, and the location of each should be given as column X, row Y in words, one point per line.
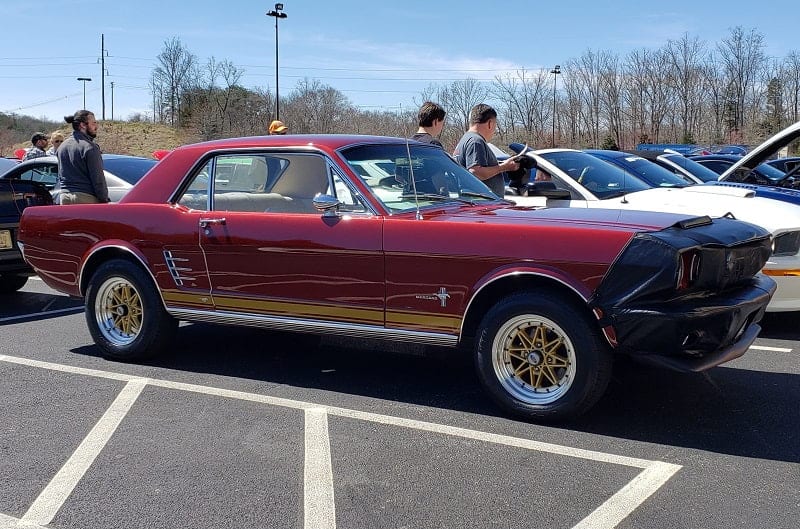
column 105, row 253
column 514, row 282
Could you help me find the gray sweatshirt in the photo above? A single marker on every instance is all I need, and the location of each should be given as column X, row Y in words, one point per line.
column 80, row 166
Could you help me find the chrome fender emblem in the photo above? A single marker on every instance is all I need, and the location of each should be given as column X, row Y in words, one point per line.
column 442, row 296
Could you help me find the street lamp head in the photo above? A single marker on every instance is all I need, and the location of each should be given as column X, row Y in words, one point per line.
column 277, row 12
column 84, row 78
column 556, row 70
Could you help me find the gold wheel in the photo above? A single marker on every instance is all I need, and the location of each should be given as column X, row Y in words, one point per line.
column 118, row 311
column 533, row 359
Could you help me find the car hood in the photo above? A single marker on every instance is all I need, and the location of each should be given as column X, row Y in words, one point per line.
column 715, row 201
column 766, row 150
column 623, row 219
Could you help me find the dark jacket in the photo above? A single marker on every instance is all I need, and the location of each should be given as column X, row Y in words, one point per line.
column 80, row 166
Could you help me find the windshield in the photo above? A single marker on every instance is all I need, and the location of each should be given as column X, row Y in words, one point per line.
column 650, row 172
column 430, row 177
column 697, row 170
column 129, row 169
column 603, row 179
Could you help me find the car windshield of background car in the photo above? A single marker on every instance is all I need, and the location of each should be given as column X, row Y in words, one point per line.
column 602, row 179
column 129, row 169
column 696, row 169
column 654, row 174
column 429, row 178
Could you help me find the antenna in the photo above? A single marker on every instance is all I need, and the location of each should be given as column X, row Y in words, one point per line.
column 418, row 215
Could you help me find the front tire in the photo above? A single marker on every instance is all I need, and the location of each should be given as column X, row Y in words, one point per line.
column 10, row 283
column 542, row 358
column 125, row 314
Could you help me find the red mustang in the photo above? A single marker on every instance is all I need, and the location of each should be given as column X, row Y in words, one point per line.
column 386, row 238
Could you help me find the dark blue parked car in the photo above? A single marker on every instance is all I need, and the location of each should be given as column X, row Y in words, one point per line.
column 658, row 177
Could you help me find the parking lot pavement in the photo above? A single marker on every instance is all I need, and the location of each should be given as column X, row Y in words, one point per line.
column 191, row 463
column 243, row 428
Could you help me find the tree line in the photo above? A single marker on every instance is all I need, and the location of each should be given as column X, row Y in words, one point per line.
column 687, row 91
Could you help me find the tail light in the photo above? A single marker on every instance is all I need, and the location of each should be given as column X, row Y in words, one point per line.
column 688, row 269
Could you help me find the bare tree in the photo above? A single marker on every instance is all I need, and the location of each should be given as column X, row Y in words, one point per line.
column 460, row 96
column 175, row 73
column 316, row 108
column 742, row 56
column 684, row 59
column 523, row 99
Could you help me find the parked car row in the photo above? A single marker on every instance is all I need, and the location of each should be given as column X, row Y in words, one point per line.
column 621, row 180
column 34, row 182
column 392, row 239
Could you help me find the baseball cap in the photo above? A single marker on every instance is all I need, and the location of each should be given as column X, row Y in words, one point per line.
column 39, row 136
column 277, row 126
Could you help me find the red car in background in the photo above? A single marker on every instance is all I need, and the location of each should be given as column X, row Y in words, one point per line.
column 391, row 239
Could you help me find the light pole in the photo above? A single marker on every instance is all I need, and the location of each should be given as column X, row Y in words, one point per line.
column 84, row 79
column 555, row 71
column 277, row 13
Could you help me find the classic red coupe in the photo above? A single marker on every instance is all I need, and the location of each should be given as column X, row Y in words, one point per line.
column 391, row 239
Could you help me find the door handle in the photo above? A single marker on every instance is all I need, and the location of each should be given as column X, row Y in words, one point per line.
column 205, row 223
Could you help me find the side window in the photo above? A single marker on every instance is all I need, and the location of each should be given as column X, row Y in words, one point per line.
column 44, row 174
column 266, row 183
column 196, row 195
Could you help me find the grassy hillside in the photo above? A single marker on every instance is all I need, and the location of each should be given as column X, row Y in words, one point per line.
column 137, row 138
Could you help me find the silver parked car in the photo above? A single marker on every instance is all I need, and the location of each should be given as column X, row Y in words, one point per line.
column 121, row 171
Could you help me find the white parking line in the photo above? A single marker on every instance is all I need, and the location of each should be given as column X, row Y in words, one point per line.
column 56, row 492
column 766, row 348
column 9, row 522
column 320, row 508
column 321, row 512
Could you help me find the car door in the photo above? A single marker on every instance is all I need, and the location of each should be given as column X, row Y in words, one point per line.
column 270, row 253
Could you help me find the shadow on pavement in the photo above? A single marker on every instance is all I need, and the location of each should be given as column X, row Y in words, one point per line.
column 725, row 410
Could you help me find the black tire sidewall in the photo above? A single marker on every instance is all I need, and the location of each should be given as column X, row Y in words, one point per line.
column 157, row 325
column 592, row 356
column 10, row 283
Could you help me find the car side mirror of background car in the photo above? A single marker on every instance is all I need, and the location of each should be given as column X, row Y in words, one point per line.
column 546, row 189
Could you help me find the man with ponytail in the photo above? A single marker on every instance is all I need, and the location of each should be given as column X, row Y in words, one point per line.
column 80, row 163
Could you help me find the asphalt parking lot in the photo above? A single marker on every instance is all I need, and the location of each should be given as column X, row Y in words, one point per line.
column 243, row 428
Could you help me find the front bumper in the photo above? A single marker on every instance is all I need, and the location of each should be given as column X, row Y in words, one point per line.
column 695, row 333
column 787, row 298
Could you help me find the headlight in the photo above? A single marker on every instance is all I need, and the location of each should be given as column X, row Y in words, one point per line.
column 688, row 269
column 786, row 244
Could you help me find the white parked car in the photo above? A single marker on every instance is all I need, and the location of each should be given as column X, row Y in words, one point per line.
column 582, row 180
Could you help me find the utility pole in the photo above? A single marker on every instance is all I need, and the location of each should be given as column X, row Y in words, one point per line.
column 277, row 13
column 103, row 73
column 112, row 100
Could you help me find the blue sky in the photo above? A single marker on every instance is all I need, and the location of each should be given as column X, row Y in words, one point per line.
column 379, row 54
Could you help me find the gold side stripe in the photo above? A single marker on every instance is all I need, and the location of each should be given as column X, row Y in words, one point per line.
column 428, row 320
column 308, row 310
column 301, row 309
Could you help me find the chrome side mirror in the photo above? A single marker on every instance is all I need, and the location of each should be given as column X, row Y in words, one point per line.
column 328, row 204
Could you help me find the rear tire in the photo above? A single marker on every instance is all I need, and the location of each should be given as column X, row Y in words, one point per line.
column 10, row 283
column 541, row 357
column 125, row 314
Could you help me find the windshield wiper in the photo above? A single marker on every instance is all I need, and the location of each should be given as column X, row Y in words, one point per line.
column 435, row 197
column 480, row 195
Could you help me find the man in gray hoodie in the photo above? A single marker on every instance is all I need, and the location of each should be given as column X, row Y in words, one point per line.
column 80, row 163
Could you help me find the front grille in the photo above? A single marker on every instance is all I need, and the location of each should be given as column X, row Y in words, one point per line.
column 786, row 244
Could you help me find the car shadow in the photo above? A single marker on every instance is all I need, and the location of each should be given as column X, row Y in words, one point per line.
column 725, row 410
column 780, row 326
column 30, row 306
